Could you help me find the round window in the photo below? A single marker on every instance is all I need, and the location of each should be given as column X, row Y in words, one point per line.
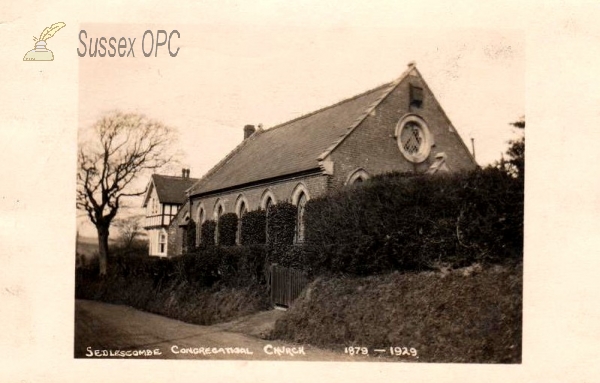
column 414, row 139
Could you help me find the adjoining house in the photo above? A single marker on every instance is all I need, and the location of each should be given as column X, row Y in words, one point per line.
column 398, row 126
column 163, row 199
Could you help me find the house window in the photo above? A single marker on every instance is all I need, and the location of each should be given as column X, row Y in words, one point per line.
column 416, row 96
column 241, row 211
column 162, row 243
column 413, row 138
column 300, row 224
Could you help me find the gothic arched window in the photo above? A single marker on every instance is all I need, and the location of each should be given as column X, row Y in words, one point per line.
column 242, row 209
column 300, row 223
column 218, row 214
column 199, row 222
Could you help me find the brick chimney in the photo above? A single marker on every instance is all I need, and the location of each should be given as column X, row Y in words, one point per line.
column 185, row 173
column 248, row 131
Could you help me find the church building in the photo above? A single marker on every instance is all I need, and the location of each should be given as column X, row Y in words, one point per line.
column 399, row 126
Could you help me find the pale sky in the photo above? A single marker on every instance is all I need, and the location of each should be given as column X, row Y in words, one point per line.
column 227, row 76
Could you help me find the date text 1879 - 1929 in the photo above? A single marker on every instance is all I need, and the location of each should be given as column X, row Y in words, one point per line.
column 393, row 351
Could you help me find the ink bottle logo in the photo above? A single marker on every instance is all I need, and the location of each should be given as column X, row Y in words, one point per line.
column 40, row 52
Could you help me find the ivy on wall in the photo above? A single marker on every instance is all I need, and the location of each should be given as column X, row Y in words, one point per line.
column 207, row 232
column 253, row 228
column 227, row 228
column 281, row 228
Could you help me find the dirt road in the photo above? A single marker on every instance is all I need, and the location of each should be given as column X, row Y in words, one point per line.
column 111, row 331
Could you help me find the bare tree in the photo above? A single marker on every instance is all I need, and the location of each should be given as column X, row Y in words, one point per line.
column 119, row 148
column 130, row 228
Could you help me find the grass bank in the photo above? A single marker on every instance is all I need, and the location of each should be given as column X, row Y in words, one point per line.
column 205, row 306
column 469, row 315
column 172, row 297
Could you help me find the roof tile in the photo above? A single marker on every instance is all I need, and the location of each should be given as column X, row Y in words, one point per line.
column 171, row 189
column 291, row 147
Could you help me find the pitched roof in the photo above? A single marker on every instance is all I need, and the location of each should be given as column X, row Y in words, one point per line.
column 295, row 146
column 171, row 189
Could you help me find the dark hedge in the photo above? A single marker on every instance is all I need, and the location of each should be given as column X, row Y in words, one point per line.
column 227, row 227
column 207, row 232
column 234, row 266
column 281, row 228
column 254, row 228
column 189, row 238
column 407, row 222
column 242, row 265
column 212, row 284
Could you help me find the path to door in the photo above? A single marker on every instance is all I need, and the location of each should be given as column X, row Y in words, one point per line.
column 103, row 329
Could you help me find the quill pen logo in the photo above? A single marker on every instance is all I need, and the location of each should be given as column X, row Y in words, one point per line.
column 40, row 52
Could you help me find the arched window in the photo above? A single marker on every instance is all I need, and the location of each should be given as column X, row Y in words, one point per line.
column 242, row 209
column 218, row 214
column 356, row 177
column 199, row 222
column 268, row 203
column 267, row 199
column 300, row 224
column 300, row 196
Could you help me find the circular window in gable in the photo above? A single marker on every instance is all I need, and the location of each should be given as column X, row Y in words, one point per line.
column 413, row 138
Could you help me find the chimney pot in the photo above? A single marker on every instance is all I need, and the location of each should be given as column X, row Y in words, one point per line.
column 248, row 131
column 183, row 173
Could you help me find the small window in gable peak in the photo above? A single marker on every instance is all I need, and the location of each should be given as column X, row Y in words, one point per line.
column 416, row 96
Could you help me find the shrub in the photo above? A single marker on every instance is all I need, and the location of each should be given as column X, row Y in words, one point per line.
column 254, row 228
column 254, row 263
column 242, row 265
column 492, row 222
column 294, row 256
column 189, row 238
column 399, row 221
column 200, row 267
column 281, row 228
column 186, row 288
column 227, row 228
column 207, row 232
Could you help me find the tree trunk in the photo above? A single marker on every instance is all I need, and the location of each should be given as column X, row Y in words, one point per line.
column 103, row 248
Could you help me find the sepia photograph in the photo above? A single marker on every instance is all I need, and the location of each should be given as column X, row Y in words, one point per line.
column 300, row 194
column 307, row 191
